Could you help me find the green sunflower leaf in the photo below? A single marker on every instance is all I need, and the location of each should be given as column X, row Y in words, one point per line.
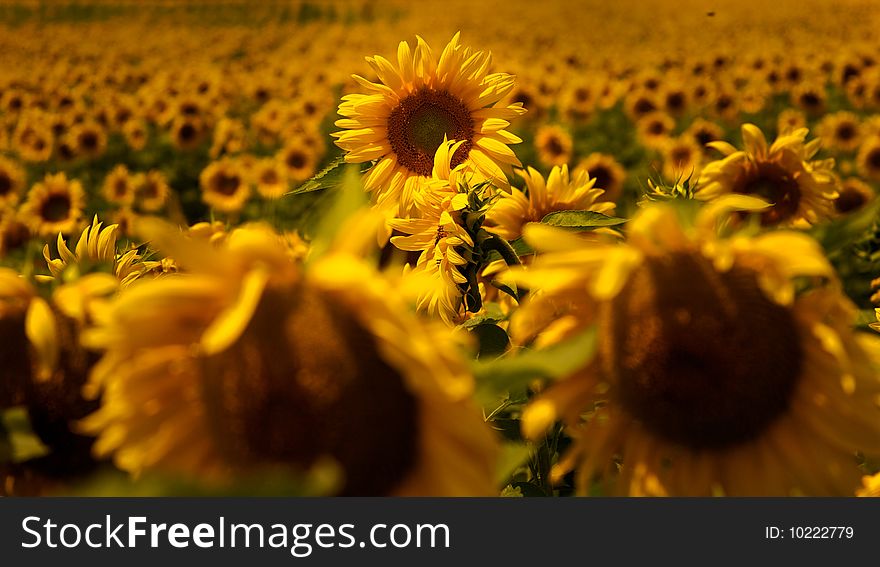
column 837, row 234
column 581, row 220
column 514, row 372
column 493, row 340
column 18, row 442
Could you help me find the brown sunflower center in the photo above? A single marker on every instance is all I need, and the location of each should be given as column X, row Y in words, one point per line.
column 846, row 132
column 295, row 160
column 187, row 132
column 55, row 208
column 88, row 141
column 602, row 175
column 306, row 380
column 554, row 146
column 5, row 184
column 418, row 124
column 874, row 159
column 775, row 184
column 700, row 358
column 269, row 177
column 850, row 199
column 226, row 183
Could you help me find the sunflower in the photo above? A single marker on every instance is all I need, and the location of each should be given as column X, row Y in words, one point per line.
column 224, row 186
column 136, row 134
column 33, row 140
column 725, row 364
column 299, row 159
column 681, row 158
column 607, row 172
column 639, row 103
column 801, row 189
column 119, row 187
column 654, row 129
column 187, row 132
column 840, row 131
column 674, row 99
column 270, row 177
column 441, row 238
column 810, row 98
column 419, row 102
column 702, row 132
column 89, row 139
column 854, row 195
column 97, row 246
column 868, row 158
column 152, row 190
column 13, row 232
column 250, row 361
column 554, row 145
column 561, row 191
column 11, row 183
column 54, row 205
column 790, row 120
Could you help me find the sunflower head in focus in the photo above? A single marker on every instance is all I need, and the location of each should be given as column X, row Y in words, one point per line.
column 418, row 103
column 250, row 361
column 726, row 363
column 54, row 205
column 801, row 189
column 561, row 191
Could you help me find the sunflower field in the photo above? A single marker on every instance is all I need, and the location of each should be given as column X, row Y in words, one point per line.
column 445, row 248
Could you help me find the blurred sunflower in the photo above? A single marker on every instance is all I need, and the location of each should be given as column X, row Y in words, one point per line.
column 299, row 159
column 54, row 205
column 607, row 172
column 868, row 158
column 89, row 139
column 654, row 128
column 33, row 140
column 136, row 134
column 419, row 102
column 224, row 186
column 152, row 190
column 853, row 196
column 554, row 145
column 270, row 177
column 11, row 183
column 119, row 187
column 251, row 361
column 790, row 120
column 801, row 190
column 840, row 131
column 681, row 158
column 561, row 191
column 743, row 375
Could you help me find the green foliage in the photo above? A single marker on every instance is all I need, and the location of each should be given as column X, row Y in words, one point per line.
column 18, row 442
column 581, row 220
column 513, row 373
